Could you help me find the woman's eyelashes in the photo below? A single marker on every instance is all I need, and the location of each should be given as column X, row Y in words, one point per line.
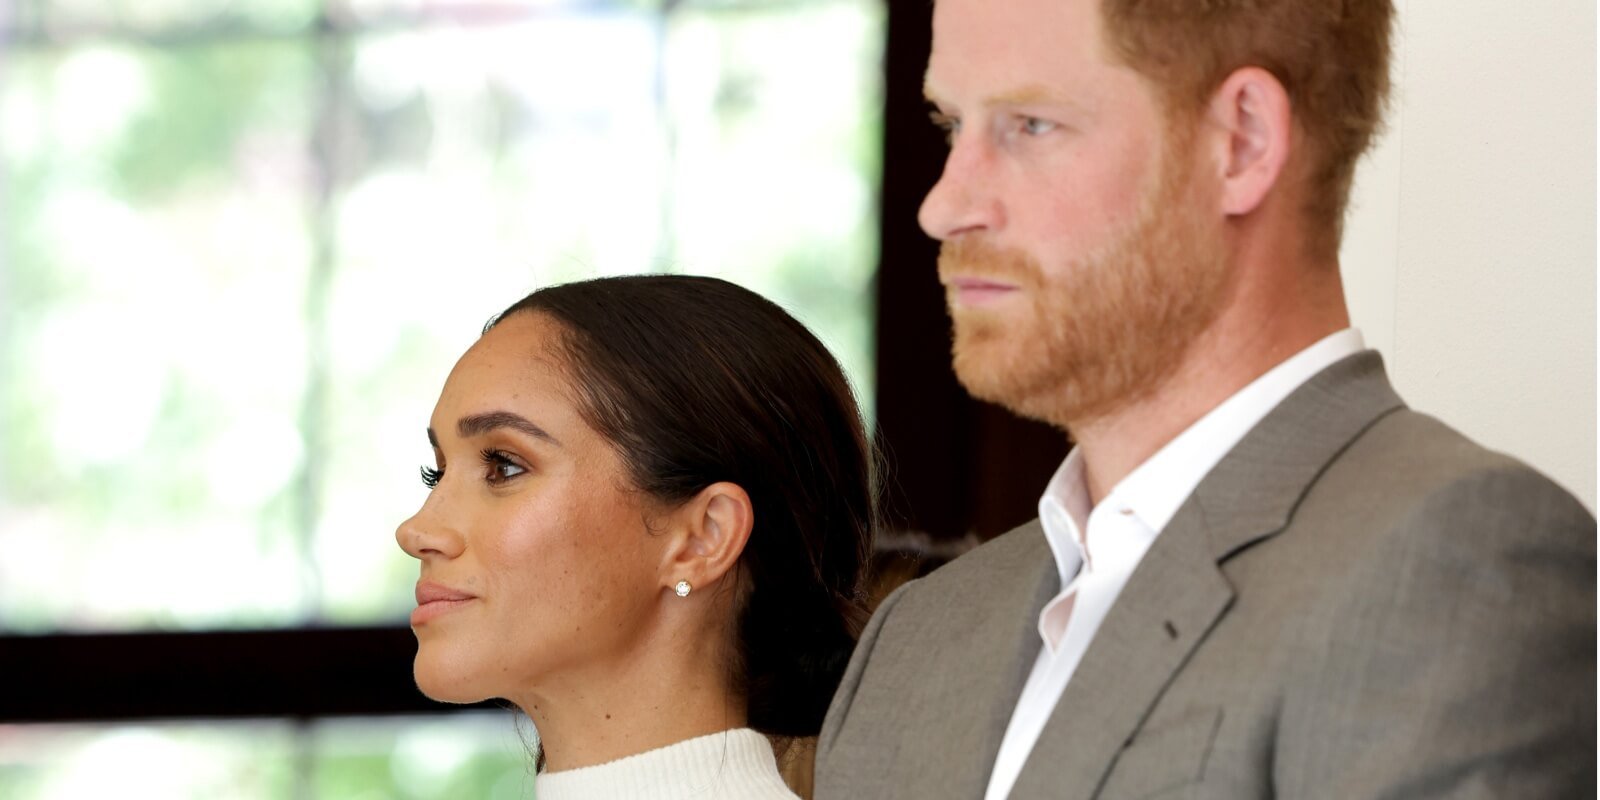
column 499, row 467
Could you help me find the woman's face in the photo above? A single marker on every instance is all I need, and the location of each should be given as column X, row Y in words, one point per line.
column 536, row 558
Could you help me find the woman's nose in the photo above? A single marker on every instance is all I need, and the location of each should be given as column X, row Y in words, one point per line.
column 424, row 535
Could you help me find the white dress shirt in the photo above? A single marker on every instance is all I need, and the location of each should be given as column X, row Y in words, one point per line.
column 1096, row 549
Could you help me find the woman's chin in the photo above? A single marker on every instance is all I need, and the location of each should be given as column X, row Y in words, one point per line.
column 445, row 683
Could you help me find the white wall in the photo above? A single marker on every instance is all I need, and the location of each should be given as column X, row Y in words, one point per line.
column 1469, row 258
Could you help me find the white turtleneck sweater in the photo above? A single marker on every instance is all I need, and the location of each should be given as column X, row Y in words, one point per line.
column 732, row 765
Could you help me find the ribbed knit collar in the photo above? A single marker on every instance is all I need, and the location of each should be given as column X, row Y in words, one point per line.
column 731, row 764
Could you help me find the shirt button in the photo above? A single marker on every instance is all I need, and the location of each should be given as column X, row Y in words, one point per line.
column 1126, row 512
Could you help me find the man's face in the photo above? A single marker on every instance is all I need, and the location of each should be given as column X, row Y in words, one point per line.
column 1081, row 251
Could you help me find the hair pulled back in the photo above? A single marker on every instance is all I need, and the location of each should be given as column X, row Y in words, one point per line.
column 695, row 380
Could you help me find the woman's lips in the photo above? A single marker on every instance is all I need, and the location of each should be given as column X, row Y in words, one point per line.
column 436, row 599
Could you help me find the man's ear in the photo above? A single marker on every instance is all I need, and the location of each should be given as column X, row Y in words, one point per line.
column 711, row 531
column 1252, row 132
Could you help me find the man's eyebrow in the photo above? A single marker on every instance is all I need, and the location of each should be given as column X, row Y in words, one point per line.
column 479, row 424
column 1029, row 95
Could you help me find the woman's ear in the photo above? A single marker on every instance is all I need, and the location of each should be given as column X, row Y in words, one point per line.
column 1252, row 125
column 711, row 530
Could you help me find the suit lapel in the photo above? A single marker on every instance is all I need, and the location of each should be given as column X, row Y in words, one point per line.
column 1169, row 604
column 1178, row 592
column 1254, row 490
column 996, row 653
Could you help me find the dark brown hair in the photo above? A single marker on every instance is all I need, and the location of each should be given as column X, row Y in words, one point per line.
column 695, row 381
column 1332, row 56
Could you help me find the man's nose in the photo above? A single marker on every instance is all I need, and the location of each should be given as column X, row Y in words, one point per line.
column 964, row 199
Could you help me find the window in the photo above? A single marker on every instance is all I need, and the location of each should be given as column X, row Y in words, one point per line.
column 241, row 245
column 242, row 252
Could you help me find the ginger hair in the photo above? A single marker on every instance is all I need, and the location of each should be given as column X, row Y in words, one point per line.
column 1332, row 57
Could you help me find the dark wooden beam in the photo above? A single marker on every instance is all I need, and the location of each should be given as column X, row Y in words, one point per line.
column 955, row 465
column 273, row 673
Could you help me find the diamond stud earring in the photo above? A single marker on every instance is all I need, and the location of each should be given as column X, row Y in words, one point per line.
column 682, row 589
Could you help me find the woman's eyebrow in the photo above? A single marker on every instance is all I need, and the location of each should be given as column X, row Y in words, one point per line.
column 479, row 424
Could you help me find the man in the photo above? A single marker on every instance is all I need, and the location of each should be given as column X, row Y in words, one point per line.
column 1258, row 574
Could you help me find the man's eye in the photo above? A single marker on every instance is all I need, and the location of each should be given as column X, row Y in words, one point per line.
column 1033, row 126
column 947, row 123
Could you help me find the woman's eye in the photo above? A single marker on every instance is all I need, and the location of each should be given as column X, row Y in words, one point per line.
column 501, row 467
column 431, row 476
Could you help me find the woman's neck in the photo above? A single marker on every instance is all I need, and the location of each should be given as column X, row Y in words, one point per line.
column 653, row 697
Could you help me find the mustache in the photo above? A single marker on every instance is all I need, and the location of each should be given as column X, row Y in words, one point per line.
column 975, row 258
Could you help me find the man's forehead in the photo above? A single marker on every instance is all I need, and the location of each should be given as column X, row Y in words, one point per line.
column 1067, row 88
column 1052, row 24
column 1016, row 52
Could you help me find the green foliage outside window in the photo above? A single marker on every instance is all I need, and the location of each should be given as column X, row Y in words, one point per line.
column 241, row 244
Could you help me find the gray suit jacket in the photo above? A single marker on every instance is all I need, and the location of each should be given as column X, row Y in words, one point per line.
column 1357, row 602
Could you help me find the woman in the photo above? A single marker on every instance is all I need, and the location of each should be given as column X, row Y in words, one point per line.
column 648, row 523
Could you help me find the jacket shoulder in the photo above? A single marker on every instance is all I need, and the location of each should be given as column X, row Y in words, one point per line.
column 1003, row 555
column 1411, row 464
